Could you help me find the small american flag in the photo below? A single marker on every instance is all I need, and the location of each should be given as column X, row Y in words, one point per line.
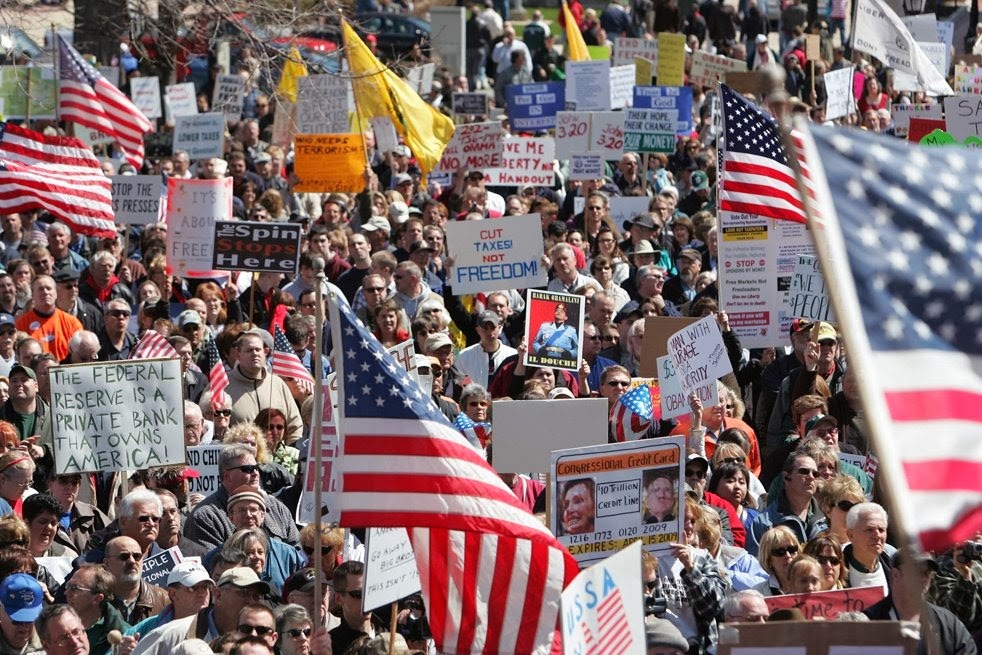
column 153, row 346
column 613, row 629
column 491, row 573
column 478, row 434
column 217, row 376
column 286, row 363
column 871, row 464
column 631, row 416
column 87, row 98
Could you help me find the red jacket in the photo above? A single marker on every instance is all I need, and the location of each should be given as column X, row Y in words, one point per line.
column 685, row 424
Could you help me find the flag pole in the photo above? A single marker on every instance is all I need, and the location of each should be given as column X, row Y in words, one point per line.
column 354, row 95
column 392, row 628
column 315, row 427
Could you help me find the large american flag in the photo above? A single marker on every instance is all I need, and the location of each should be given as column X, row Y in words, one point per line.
column 217, row 376
column 286, row 363
column 87, row 98
column 153, row 346
column 55, row 173
column 491, row 573
column 756, row 177
column 631, row 415
column 904, row 261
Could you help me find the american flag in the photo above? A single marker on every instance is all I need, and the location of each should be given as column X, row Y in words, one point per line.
column 87, row 98
column 491, row 573
column 631, row 416
column 756, row 177
column 286, row 363
column 613, row 629
column 217, row 376
column 902, row 250
column 55, row 173
column 478, row 434
column 871, row 464
column 153, row 346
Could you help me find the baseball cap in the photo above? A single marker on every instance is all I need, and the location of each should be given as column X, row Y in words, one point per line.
column 818, row 419
column 379, row 645
column 561, row 392
column 66, row 275
column 401, row 178
column 17, row 368
column 631, row 309
column 6, row 319
column 919, row 559
column 700, row 181
column 696, row 457
column 188, row 317
column 244, row 578
column 488, row 316
column 262, row 158
column 761, row 38
column 691, row 253
column 661, row 632
column 188, row 574
column 437, row 341
column 303, row 580
column 376, row 223
column 399, row 211
column 21, row 596
column 826, row 332
column 402, row 151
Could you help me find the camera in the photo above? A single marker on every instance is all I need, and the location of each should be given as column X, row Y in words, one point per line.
column 416, row 627
column 971, row 551
column 655, row 605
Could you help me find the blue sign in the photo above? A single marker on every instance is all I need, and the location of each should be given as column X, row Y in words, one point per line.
column 668, row 98
column 534, row 106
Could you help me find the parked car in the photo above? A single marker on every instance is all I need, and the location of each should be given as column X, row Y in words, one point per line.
column 395, row 34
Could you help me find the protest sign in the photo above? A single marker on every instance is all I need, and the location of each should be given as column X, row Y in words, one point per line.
column 473, row 145
column 228, row 97
column 572, row 133
column 525, row 161
column 600, row 504
column 204, row 460
column 607, row 134
column 390, row 568
column 14, row 99
column 59, row 567
column 180, row 100
column 827, row 605
column 923, row 27
column 92, row 137
column 968, row 79
column 709, row 69
column 156, row 569
column 667, row 98
column 674, row 399
column 556, row 320
column 420, row 78
column 698, row 353
column 621, row 85
column 257, row 247
column 807, row 296
column 818, row 638
column 604, row 605
column 117, row 416
column 585, row 166
column 470, row 104
column 624, row 207
column 744, row 82
column 670, row 68
column 921, row 128
column 650, row 130
column 500, row 254
column 838, row 85
column 598, row 52
column 326, row 163
column 657, row 330
column 588, row 85
column 626, row 49
column 580, row 423
column 386, row 139
column 200, row 135
column 136, row 198
column 963, row 116
column 330, row 450
column 534, row 106
column 145, row 93
column 903, row 113
column 193, row 206
column 946, row 32
column 322, row 104
column 644, row 72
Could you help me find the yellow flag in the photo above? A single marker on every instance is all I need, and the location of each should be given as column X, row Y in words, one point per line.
column 293, row 68
column 380, row 92
column 575, row 45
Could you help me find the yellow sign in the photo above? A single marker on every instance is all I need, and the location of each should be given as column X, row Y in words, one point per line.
column 326, row 163
column 598, row 52
column 644, row 71
column 671, row 59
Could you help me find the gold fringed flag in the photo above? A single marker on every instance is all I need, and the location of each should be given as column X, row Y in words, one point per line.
column 575, row 45
column 293, row 69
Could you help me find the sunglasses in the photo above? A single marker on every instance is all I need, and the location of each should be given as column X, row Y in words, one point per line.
column 732, row 460
column 277, row 427
column 692, row 473
column 118, row 313
column 259, row 630
column 784, row 550
column 248, row 469
column 609, row 339
column 355, row 593
column 373, row 289
column 325, row 550
column 222, row 412
column 831, row 560
column 148, row 518
column 807, row 472
column 296, row 633
column 618, row 383
column 845, row 505
column 650, row 586
column 125, row 557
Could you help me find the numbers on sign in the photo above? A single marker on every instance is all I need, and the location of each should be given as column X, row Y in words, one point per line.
column 571, row 129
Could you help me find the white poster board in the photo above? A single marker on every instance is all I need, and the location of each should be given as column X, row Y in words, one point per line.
column 386, row 139
column 117, row 416
column 588, row 84
column 607, row 134
column 473, row 146
column 330, row 450
column 202, row 136
column 525, row 161
column 807, row 296
column 674, row 400
column 572, row 133
column 322, row 104
column 709, row 69
column 841, row 100
column 204, row 460
column 698, row 353
column 390, row 568
column 586, row 166
column 963, row 116
column 180, row 100
column 145, row 93
column 627, row 48
column 193, row 206
column 520, row 447
column 903, row 113
column 228, row 97
column 622, row 86
column 625, row 207
column 136, row 198
column 495, row 255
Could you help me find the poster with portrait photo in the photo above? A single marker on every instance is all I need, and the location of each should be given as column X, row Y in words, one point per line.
column 553, row 329
column 601, row 502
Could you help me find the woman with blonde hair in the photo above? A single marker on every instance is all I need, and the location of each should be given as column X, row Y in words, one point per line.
column 272, row 476
column 216, row 310
column 835, row 498
column 742, row 569
column 804, row 575
column 778, row 547
column 331, row 543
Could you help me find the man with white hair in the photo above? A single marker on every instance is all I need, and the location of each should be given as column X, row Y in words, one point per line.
column 868, row 555
column 59, row 239
column 747, row 606
column 83, row 348
column 566, row 278
column 194, row 424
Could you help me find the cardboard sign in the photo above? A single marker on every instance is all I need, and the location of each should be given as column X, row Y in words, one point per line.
column 420, row 78
column 604, row 604
column 117, row 416
column 817, row 638
column 156, row 569
column 556, row 320
column 708, row 69
column 228, row 97
column 136, row 198
column 386, row 139
column 657, row 330
column 330, row 451
column 745, row 82
column 180, row 100
column 204, row 460
column 200, row 135
column 193, row 207
column 493, row 255
column 574, row 424
column 607, row 134
column 644, row 72
column 698, row 353
column 808, row 297
column 601, row 503
column 470, row 104
column 145, row 93
column 588, row 85
column 622, row 80
column 650, row 130
column 921, row 127
column 667, row 98
column 626, row 49
column 813, row 47
column 533, row 106
column 390, row 568
column 257, row 247
column 902, row 114
column 828, row 605
column 585, row 166
column 670, row 68
column 674, row 400
column 525, row 161
column 963, row 116
column 572, row 133
column 473, row 145
column 326, row 163
column 840, row 101
column 322, row 104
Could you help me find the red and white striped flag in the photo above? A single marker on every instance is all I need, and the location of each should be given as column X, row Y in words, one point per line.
column 55, row 173
column 153, row 346
column 614, row 634
column 87, row 98
column 286, row 363
column 217, row 376
column 491, row 573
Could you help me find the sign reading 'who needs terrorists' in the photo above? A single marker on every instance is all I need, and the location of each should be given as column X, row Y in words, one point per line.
column 113, row 416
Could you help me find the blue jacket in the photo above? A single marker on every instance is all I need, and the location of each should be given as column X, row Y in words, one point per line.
column 778, row 513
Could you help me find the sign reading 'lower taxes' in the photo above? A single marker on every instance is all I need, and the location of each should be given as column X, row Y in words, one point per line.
column 327, row 163
column 257, row 247
column 499, row 254
column 114, row 416
column 201, row 135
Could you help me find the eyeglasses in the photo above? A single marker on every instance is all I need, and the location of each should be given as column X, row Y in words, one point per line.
column 831, row 560
column 785, row 550
column 308, row 305
column 804, row 470
column 325, row 550
column 619, row 383
column 373, row 289
column 610, row 339
column 222, row 412
column 732, row 460
column 148, row 518
column 248, row 469
column 593, row 338
column 605, row 241
column 354, row 593
column 69, row 285
column 277, row 426
column 125, row 557
column 73, row 635
column 694, row 473
column 296, row 633
column 259, row 630
column 118, row 313
column 76, row 587
column 845, row 505
column 398, row 276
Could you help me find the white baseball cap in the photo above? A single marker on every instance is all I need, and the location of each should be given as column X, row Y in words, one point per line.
column 188, row 574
